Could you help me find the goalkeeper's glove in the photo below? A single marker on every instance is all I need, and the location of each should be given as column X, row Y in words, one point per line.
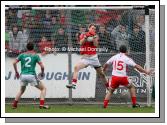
column 89, row 36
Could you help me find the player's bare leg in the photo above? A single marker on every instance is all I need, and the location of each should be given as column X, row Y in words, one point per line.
column 18, row 96
column 107, row 97
column 102, row 76
column 132, row 91
column 42, row 88
column 77, row 68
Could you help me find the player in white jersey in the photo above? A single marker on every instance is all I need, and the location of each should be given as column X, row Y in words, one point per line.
column 119, row 76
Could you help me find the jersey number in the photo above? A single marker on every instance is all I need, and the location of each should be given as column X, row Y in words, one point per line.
column 28, row 60
column 118, row 65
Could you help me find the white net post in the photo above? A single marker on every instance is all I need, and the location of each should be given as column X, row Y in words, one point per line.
column 147, row 54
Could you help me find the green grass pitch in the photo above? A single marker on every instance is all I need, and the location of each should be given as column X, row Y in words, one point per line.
column 78, row 109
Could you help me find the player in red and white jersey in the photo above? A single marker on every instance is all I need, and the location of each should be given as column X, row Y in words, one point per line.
column 119, row 74
column 89, row 43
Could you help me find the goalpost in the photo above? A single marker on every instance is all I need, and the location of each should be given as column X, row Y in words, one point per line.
column 147, row 54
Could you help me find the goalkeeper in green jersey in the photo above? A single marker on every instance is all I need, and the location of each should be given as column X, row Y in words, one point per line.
column 28, row 75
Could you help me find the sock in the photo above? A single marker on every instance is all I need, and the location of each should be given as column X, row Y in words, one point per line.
column 74, row 81
column 105, row 103
column 133, row 100
column 42, row 102
column 15, row 103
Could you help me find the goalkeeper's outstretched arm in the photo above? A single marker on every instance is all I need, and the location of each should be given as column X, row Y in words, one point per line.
column 82, row 41
column 95, row 40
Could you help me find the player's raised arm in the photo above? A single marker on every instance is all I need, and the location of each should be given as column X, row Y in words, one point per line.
column 83, row 39
column 96, row 40
column 139, row 68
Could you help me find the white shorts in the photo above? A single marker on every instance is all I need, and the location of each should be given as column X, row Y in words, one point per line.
column 92, row 61
column 31, row 79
